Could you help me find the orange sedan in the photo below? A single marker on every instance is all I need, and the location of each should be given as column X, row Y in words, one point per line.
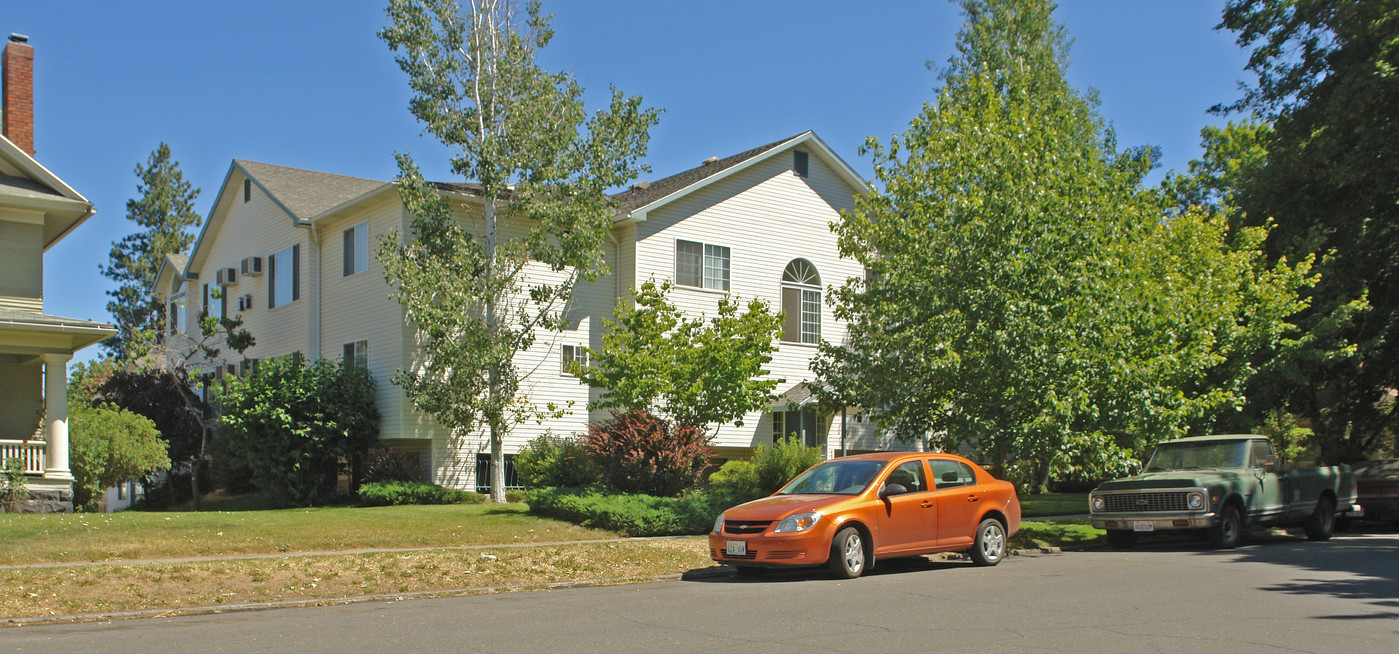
column 850, row 512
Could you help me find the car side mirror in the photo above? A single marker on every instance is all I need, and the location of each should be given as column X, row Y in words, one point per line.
column 1271, row 465
column 892, row 489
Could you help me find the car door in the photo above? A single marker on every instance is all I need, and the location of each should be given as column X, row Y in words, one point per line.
column 958, row 498
column 1271, row 485
column 907, row 521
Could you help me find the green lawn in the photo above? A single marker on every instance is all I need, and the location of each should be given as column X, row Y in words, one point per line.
column 31, row 538
column 1053, row 504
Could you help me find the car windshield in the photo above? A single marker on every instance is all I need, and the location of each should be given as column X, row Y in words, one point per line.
column 838, row 477
column 1196, row 455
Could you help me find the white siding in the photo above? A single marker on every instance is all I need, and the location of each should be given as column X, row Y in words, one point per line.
column 22, row 265
column 21, row 397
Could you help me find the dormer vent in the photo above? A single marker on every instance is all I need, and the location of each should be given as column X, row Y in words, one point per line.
column 710, row 161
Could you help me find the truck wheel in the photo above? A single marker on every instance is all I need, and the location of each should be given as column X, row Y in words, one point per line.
column 847, row 554
column 1227, row 531
column 989, row 547
column 1121, row 539
column 1322, row 521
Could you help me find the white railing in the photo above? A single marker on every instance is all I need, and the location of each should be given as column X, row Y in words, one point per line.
column 30, row 452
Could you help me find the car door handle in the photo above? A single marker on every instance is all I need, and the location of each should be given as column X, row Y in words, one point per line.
column 928, row 504
column 973, row 498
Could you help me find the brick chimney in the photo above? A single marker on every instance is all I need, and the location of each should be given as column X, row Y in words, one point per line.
column 17, row 76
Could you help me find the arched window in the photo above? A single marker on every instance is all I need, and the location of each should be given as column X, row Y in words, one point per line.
column 801, row 302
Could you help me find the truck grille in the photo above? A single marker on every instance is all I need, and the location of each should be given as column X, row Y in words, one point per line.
column 1145, row 502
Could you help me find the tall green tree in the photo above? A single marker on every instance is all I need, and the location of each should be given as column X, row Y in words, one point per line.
column 165, row 213
column 490, row 264
column 1044, row 303
column 1327, row 80
column 695, row 371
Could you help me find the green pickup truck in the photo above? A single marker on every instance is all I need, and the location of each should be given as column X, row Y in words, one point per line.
column 1220, row 484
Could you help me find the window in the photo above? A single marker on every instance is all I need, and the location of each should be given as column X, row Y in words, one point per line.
column 701, row 265
column 216, row 307
column 356, row 249
column 247, row 189
column 910, row 476
column 951, row 474
column 483, row 473
column 800, row 163
column 177, row 316
column 357, row 354
column 805, row 426
column 573, row 354
column 801, row 303
column 284, row 282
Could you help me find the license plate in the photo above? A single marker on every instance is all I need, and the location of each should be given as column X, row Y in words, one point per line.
column 1143, row 525
column 736, row 548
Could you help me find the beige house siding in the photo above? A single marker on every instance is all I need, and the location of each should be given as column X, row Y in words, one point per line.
column 21, row 262
column 20, row 387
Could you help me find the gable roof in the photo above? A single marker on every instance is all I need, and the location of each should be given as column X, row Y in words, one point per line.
column 172, row 267
column 27, row 184
column 304, row 194
column 639, row 200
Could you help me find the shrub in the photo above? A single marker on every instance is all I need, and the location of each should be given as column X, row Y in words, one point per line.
column 779, row 463
column 299, row 425
column 393, row 493
column 741, row 476
column 635, row 514
column 13, row 488
column 641, row 453
column 551, row 460
column 111, row 446
column 388, row 464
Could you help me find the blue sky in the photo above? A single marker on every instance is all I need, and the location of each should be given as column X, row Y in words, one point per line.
column 308, row 84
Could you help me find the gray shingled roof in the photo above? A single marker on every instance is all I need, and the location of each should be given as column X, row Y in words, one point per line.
column 306, row 193
column 635, row 198
column 177, row 261
column 8, row 315
column 25, row 188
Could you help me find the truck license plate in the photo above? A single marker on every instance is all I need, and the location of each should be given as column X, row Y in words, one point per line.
column 1143, row 525
column 736, row 548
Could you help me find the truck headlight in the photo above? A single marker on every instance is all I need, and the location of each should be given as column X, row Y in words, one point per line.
column 1195, row 501
column 1098, row 504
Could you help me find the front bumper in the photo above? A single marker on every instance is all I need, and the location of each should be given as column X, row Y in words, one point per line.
column 764, row 550
column 1158, row 521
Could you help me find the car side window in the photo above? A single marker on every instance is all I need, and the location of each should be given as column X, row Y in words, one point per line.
column 951, row 474
column 910, row 476
column 1263, row 456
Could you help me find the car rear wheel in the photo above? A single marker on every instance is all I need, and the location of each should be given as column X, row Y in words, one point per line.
column 1228, row 531
column 1322, row 521
column 990, row 544
column 847, row 554
column 1121, row 539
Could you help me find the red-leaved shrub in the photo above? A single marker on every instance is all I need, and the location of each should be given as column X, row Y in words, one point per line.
column 641, row 453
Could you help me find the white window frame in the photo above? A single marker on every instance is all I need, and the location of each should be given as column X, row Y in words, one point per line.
column 355, row 247
column 356, row 353
column 568, row 353
column 284, row 268
column 709, row 268
column 801, row 289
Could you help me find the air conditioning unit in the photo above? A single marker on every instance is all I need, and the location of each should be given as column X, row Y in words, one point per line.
column 245, row 302
column 252, row 266
column 226, row 276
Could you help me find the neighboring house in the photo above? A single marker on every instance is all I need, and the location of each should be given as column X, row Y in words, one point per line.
column 36, row 210
column 293, row 252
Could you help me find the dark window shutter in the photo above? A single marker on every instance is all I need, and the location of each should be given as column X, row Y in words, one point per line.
column 799, row 162
column 296, row 272
column 206, row 299
column 349, row 250
column 271, row 281
column 348, row 352
column 247, row 189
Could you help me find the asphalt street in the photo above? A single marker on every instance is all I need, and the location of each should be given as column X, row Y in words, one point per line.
column 1280, row 594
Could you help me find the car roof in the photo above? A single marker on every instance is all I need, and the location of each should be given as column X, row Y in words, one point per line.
column 890, row 456
column 1217, row 437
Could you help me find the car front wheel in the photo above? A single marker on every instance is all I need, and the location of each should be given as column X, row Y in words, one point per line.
column 847, row 554
column 1228, row 531
column 990, row 544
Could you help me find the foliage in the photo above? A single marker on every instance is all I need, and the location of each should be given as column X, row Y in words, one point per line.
column 641, row 453
column 299, row 425
column 13, row 488
column 393, row 493
column 738, row 475
column 110, row 446
column 781, row 462
column 692, row 371
column 1292, row 441
column 1051, row 308
column 165, row 212
column 636, row 514
column 388, row 464
column 1326, row 79
column 551, row 460
column 478, row 284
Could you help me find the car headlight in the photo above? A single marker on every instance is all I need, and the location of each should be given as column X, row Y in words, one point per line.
column 797, row 523
column 1098, row 504
column 1195, row 500
column 719, row 524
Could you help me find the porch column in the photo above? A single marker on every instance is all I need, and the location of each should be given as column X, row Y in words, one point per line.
column 56, row 413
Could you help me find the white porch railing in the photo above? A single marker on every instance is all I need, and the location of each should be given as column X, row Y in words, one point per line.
column 30, row 452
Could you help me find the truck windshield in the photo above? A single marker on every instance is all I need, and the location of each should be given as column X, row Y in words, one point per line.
column 1206, row 454
column 834, row 478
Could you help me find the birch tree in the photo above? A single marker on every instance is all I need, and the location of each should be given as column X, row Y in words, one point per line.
column 489, row 264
